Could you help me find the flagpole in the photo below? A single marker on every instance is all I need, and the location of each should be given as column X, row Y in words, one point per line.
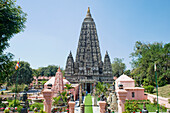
column 16, row 86
column 156, row 88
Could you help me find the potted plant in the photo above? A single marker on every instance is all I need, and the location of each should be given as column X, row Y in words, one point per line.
column 35, row 109
column 60, row 110
column 67, row 110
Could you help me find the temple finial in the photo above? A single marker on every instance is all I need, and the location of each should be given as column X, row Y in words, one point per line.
column 59, row 69
column 88, row 15
column 106, row 53
column 88, row 11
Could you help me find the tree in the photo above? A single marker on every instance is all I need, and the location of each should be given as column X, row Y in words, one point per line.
column 127, row 72
column 36, row 72
column 118, row 67
column 101, row 88
column 12, row 20
column 24, row 73
column 49, row 70
column 5, row 66
column 145, row 55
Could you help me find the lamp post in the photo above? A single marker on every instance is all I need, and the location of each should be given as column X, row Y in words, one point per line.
column 156, row 87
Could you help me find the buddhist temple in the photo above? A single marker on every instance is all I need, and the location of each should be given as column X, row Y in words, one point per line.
column 88, row 67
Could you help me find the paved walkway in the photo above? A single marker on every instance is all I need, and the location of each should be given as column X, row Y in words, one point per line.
column 96, row 109
column 77, row 107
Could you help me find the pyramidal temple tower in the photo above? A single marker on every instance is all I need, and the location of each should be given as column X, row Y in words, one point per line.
column 88, row 66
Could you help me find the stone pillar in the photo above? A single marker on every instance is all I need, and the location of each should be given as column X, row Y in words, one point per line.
column 71, row 106
column 80, row 94
column 102, row 105
column 95, row 97
column 90, row 87
column 85, row 86
column 121, row 94
column 81, row 108
column 47, row 94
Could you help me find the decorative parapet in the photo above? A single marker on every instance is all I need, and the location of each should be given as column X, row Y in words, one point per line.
column 47, row 94
column 102, row 105
column 121, row 94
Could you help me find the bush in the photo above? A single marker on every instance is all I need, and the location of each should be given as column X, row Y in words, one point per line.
column 2, row 105
column 6, row 111
column 2, row 93
column 36, row 105
column 19, row 107
column 43, row 82
column 26, row 88
column 19, row 88
column 41, row 111
column 149, row 88
column 11, row 104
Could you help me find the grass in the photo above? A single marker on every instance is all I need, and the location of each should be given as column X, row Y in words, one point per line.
column 88, row 104
column 163, row 91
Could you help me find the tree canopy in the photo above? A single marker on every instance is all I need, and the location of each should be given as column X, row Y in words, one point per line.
column 145, row 55
column 50, row 70
column 118, row 67
column 12, row 20
column 24, row 73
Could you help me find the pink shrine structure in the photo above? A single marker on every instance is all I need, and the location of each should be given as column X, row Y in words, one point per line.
column 58, row 83
column 129, row 91
column 136, row 93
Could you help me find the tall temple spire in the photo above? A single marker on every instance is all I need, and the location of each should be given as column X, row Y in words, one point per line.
column 107, row 67
column 88, row 64
column 88, row 57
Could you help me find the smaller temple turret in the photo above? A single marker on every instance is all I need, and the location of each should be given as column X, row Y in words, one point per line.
column 58, row 82
column 107, row 67
column 69, row 70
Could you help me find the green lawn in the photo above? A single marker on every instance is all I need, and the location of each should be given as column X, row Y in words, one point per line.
column 88, row 104
column 164, row 91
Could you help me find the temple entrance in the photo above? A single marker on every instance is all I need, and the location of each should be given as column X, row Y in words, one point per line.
column 88, row 87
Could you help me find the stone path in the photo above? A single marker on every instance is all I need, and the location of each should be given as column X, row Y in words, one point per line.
column 77, row 107
column 96, row 109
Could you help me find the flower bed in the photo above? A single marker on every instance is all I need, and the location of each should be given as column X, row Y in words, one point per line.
column 137, row 106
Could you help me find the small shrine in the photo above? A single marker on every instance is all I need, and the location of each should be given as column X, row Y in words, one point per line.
column 136, row 93
column 56, row 94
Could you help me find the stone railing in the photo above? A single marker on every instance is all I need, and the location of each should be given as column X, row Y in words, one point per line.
column 161, row 100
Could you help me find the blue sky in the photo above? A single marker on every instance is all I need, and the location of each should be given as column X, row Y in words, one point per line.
column 53, row 28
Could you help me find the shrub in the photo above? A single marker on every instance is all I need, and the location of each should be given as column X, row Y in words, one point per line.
column 19, row 107
column 149, row 88
column 11, row 104
column 2, row 93
column 41, row 111
column 154, row 101
column 6, row 111
column 19, row 88
column 43, row 82
column 36, row 105
column 26, row 88
column 3, row 105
